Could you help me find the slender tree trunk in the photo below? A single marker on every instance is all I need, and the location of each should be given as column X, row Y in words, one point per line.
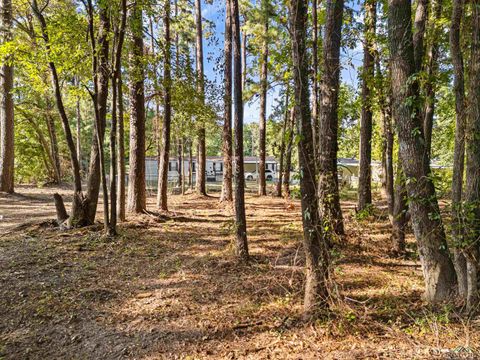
column 384, row 99
column 315, row 104
column 227, row 191
column 77, row 215
column 240, row 218
column 389, row 176
column 432, row 70
column 117, row 68
column 438, row 269
column 288, row 154
column 182, row 152
column 190, row 166
column 136, row 185
column 399, row 214
column 330, row 211
column 282, row 145
column 54, row 151
column 366, row 119
column 113, row 162
column 79, row 132
column 244, row 59
column 315, row 246
column 167, row 117
column 121, row 153
column 472, row 185
column 202, row 155
column 459, row 149
column 180, row 163
column 262, row 126
column 101, row 74
column 7, row 153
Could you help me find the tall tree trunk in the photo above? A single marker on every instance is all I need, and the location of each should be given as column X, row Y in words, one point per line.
column 315, row 103
column 431, row 72
column 366, row 123
column 282, row 144
column 54, row 151
column 240, row 218
column 101, row 75
column 190, row 166
column 314, row 244
column 472, row 185
column 421, row 16
column 113, row 161
column 384, row 99
column 202, row 155
column 389, row 176
column 7, row 153
column 244, row 59
column 262, row 126
column 121, row 153
column 77, row 214
column 167, row 116
column 438, row 269
column 79, row 132
column 117, row 68
column 459, row 149
column 330, row 211
column 180, row 162
column 227, row 191
column 136, row 185
column 288, row 154
column 399, row 213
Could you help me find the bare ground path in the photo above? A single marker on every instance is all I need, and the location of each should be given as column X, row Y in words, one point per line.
column 170, row 288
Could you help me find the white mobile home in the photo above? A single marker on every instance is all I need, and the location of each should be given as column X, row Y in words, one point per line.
column 213, row 168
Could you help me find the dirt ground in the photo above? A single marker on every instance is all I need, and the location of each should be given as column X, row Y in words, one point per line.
column 171, row 288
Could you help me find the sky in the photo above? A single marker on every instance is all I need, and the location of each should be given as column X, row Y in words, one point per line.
column 213, row 49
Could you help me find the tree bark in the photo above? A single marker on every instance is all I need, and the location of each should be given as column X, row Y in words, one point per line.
column 431, row 73
column 54, row 151
column 201, row 153
column 190, row 166
column 399, row 214
column 227, row 191
column 421, row 16
column 282, row 145
column 438, row 269
column 101, row 75
column 244, row 59
column 288, row 154
column 472, row 184
column 366, row 119
column 117, row 68
column 121, row 153
column 7, row 152
column 79, row 132
column 315, row 246
column 62, row 215
column 136, row 185
column 240, row 218
column 459, row 148
column 388, row 138
column 262, row 126
column 315, row 103
column 167, row 116
column 329, row 207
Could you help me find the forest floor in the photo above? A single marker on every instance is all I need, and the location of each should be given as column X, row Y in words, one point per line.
column 170, row 288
